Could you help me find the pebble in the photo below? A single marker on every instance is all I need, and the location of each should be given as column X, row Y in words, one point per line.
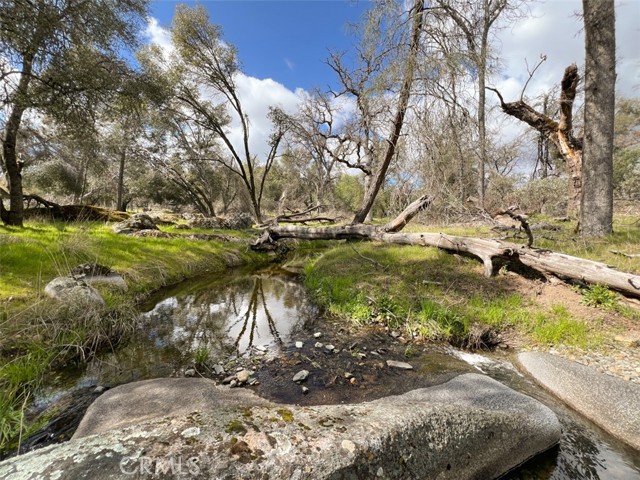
column 395, row 334
column 190, row 372
column 99, row 389
column 319, row 345
column 261, row 348
column 243, row 376
column 218, row 369
column 233, row 383
column 353, row 380
column 317, row 334
column 400, row 365
column 305, row 390
column 229, row 379
column 611, row 360
column 362, row 356
column 329, row 347
column 301, row 376
column 299, row 344
column 348, row 375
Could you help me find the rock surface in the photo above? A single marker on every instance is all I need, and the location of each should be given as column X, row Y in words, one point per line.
column 139, row 221
column 610, row 402
column 72, row 291
column 469, row 427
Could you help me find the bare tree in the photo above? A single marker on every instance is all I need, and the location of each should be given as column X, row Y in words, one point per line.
column 560, row 132
column 475, row 19
column 596, row 216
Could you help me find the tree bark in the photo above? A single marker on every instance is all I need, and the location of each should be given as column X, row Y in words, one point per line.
column 596, row 217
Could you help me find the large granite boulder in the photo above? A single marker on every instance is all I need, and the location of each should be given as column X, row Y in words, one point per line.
column 471, row 427
column 73, row 292
column 610, row 402
column 139, row 221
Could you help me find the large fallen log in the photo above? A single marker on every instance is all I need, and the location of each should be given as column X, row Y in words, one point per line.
column 488, row 251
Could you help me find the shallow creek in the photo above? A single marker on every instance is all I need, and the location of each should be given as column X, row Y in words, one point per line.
column 253, row 320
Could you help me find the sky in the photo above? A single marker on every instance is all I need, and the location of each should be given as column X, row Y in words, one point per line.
column 283, row 46
column 287, row 41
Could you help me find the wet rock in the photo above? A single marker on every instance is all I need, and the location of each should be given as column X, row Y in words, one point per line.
column 317, row 334
column 99, row 389
column 74, row 292
column 470, row 427
column 261, row 348
column 329, row 347
column 299, row 344
column 319, row 345
column 301, row 376
column 610, row 402
column 400, row 365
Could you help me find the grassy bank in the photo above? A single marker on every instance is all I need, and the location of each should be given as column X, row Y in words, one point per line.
column 38, row 334
column 431, row 294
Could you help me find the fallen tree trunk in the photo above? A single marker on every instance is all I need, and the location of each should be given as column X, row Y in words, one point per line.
column 488, row 251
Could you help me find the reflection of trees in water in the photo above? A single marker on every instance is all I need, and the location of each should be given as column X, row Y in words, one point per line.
column 223, row 318
column 577, row 457
column 581, row 455
column 250, row 319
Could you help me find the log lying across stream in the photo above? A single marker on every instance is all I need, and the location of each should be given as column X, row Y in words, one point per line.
column 488, row 251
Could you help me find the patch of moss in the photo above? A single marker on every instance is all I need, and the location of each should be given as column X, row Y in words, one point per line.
column 235, row 426
column 287, row 415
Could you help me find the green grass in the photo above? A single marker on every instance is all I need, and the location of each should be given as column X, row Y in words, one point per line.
column 434, row 294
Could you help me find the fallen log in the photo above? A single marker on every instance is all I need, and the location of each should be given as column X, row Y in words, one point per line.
column 488, row 251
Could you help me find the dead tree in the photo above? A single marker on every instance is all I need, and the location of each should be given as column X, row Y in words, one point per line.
column 560, row 133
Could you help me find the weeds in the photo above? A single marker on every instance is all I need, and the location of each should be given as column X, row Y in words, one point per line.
column 599, row 296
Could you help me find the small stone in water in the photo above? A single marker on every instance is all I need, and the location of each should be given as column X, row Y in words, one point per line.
column 305, row 390
column 400, row 365
column 329, row 347
column 299, row 344
column 99, row 389
column 243, row 376
column 190, row 372
column 317, row 334
column 319, row 345
column 301, row 376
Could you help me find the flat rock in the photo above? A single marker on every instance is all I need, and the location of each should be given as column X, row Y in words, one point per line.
column 471, row 427
column 301, row 376
column 138, row 222
column 610, row 402
column 397, row 364
column 72, row 291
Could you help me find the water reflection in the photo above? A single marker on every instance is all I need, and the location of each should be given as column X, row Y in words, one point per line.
column 227, row 317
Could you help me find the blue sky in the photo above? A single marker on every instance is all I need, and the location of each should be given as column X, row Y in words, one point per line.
column 286, row 41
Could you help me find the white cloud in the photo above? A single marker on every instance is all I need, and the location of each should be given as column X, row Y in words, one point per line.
column 157, row 35
column 257, row 95
column 289, row 63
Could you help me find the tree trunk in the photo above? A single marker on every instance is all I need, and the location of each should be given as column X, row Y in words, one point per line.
column 398, row 121
column 119, row 201
column 482, row 126
column 560, row 133
column 486, row 250
column 596, row 217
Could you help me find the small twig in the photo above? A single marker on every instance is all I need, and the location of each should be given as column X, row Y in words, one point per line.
column 543, row 58
column 628, row 255
column 367, row 258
